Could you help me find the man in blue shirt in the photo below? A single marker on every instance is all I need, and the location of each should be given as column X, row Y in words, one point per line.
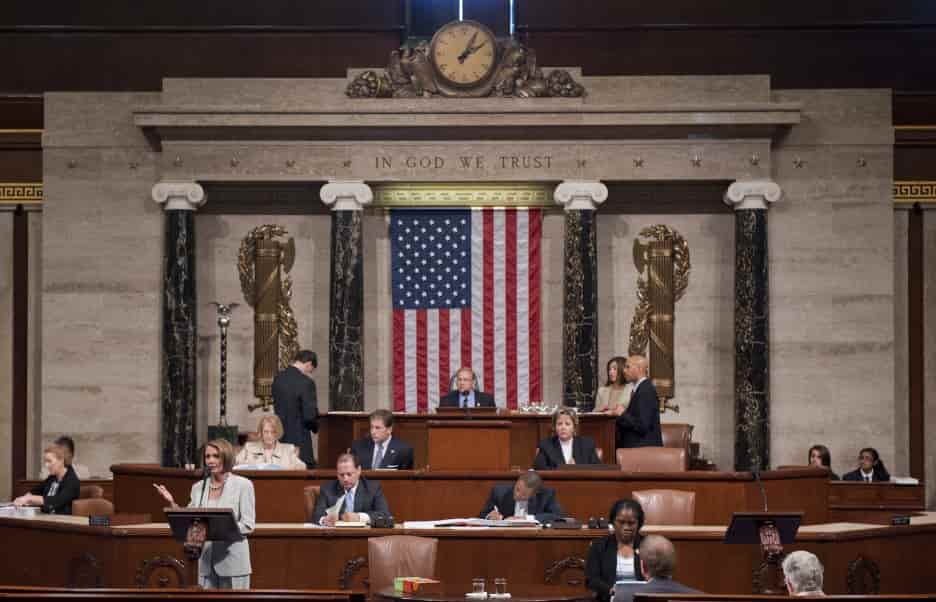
column 465, row 395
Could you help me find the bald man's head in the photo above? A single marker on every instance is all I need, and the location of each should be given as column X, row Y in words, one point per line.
column 657, row 556
column 636, row 368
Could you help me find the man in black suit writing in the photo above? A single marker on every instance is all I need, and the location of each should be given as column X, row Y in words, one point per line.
column 465, row 395
column 527, row 497
column 363, row 499
column 639, row 425
column 295, row 402
column 657, row 563
column 381, row 449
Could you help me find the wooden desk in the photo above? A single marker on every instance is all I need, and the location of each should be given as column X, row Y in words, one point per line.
column 873, row 502
column 290, row 556
column 469, row 445
column 458, row 595
column 106, row 485
column 428, row 495
column 338, row 430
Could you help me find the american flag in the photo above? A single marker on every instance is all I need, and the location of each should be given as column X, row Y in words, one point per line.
column 466, row 292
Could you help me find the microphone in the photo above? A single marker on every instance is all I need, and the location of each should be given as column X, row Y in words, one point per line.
column 763, row 492
column 206, row 472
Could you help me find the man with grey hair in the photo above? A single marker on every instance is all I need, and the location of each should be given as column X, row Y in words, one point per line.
column 802, row 572
column 657, row 563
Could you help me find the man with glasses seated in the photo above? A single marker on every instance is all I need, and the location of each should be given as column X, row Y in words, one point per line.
column 465, row 394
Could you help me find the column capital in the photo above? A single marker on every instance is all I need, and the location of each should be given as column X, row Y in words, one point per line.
column 580, row 194
column 346, row 195
column 752, row 194
column 187, row 196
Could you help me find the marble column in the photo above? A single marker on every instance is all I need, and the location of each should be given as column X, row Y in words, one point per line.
column 347, row 199
column 750, row 200
column 179, row 310
column 580, row 199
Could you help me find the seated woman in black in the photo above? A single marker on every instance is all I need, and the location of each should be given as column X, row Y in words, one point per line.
column 615, row 558
column 564, row 447
column 820, row 457
column 870, row 468
column 56, row 494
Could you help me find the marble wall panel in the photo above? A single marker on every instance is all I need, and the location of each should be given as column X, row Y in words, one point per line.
column 217, row 241
column 6, row 351
column 831, row 247
column 34, row 343
column 378, row 323
column 704, row 319
column 929, row 349
column 901, row 349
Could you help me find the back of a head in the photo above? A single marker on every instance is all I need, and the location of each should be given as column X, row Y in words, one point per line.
column 305, row 356
column 803, row 572
column 69, row 444
column 531, row 480
column 658, row 556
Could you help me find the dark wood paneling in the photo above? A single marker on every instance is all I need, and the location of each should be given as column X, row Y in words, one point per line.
column 916, row 266
column 493, row 13
column 106, row 61
column 20, row 343
column 915, row 108
column 666, row 198
column 20, row 112
column 252, row 198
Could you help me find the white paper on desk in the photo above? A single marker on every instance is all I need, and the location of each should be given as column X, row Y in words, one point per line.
column 469, row 522
column 332, row 511
column 350, row 523
column 904, row 481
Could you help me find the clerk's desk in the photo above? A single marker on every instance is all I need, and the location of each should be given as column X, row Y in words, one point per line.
column 58, row 551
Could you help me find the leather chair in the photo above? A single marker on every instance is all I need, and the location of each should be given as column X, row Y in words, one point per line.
column 309, row 497
column 90, row 491
column 92, row 506
column 676, row 435
column 666, row 506
column 653, row 459
column 400, row 556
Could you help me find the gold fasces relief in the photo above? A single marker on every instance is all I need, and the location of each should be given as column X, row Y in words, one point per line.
column 443, row 68
column 263, row 265
column 661, row 256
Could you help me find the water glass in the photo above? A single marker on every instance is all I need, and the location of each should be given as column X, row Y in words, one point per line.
column 500, row 586
column 477, row 585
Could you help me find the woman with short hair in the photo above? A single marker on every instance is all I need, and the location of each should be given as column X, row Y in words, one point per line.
column 56, row 494
column 268, row 449
column 223, row 564
column 616, row 558
column 565, row 447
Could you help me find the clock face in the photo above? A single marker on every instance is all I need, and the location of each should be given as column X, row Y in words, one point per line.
column 464, row 53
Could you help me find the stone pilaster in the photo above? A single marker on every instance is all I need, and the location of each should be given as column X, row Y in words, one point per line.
column 346, row 307
column 750, row 200
column 580, row 297
column 179, row 310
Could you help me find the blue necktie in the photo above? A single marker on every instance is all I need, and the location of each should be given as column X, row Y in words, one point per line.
column 349, row 501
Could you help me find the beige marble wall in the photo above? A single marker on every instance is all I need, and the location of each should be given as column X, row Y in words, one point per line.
column 831, row 244
column 929, row 349
column 901, row 349
column 217, row 240
column 101, row 258
column 34, row 442
column 704, row 319
column 6, row 351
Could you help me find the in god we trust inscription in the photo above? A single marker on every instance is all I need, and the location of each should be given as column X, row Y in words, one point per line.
column 465, row 162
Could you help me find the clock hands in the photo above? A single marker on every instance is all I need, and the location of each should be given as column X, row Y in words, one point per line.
column 470, row 48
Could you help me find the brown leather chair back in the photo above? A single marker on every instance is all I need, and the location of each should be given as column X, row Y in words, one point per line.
column 309, row 497
column 92, row 506
column 666, row 506
column 653, row 459
column 676, row 435
column 90, row 491
column 400, row 556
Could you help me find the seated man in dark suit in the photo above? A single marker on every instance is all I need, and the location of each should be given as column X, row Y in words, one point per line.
column 465, row 395
column 527, row 497
column 657, row 562
column 381, row 449
column 362, row 498
column 639, row 425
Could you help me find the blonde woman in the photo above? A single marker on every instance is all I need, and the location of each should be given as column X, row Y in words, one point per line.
column 268, row 449
column 564, row 447
column 56, row 494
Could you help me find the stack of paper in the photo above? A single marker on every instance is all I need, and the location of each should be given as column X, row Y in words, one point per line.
column 469, row 522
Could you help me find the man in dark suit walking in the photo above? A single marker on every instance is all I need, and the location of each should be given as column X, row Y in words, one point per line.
column 363, row 499
column 465, row 395
column 295, row 403
column 639, row 425
column 657, row 563
column 381, row 449
column 526, row 497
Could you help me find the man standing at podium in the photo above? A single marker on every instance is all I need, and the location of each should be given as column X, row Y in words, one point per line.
column 295, row 403
column 465, row 395
column 639, row 425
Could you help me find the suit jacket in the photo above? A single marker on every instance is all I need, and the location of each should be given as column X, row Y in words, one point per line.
column 877, row 475
column 285, row 455
column 639, row 426
column 550, row 453
column 296, row 405
column 601, row 566
column 482, row 400
column 68, row 491
column 368, row 498
column 542, row 505
column 228, row 558
column 658, row 585
column 398, row 454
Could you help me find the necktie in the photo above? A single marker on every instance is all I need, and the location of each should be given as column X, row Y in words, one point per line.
column 349, row 501
column 379, row 457
column 868, row 478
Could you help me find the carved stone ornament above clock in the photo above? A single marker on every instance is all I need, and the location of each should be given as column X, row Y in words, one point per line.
column 464, row 59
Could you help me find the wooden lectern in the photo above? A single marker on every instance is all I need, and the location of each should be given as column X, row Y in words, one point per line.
column 192, row 527
column 469, row 444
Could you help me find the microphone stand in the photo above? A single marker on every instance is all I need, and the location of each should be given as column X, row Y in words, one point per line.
column 206, row 472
